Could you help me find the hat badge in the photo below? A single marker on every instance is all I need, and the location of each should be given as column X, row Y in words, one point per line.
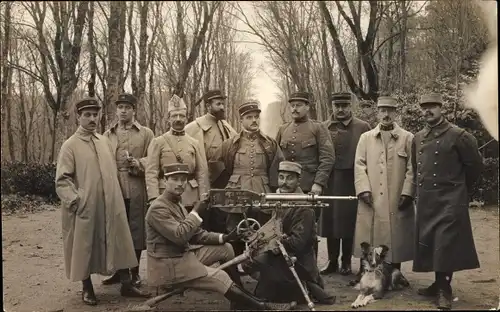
column 177, row 104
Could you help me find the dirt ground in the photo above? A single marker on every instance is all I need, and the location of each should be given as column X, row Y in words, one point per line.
column 34, row 279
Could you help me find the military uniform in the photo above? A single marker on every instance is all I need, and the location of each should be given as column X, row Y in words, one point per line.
column 276, row 281
column 132, row 140
column 210, row 133
column 180, row 253
column 446, row 163
column 251, row 161
column 177, row 147
column 339, row 221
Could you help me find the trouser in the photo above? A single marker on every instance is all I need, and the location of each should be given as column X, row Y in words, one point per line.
column 138, row 252
column 443, row 280
column 216, row 280
column 333, row 246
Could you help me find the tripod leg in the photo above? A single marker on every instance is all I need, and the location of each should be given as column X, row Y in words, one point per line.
column 310, row 304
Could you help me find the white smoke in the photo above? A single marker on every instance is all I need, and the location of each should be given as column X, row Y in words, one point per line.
column 482, row 96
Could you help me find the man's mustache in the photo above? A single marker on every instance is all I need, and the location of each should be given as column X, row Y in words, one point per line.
column 92, row 123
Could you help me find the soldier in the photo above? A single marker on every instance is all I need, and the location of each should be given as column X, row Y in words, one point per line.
column 176, row 146
column 129, row 142
column 447, row 163
column 96, row 234
column 180, row 253
column 251, row 160
column 211, row 130
column 338, row 222
column 383, row 178
column 276, row 282
column 307, row 142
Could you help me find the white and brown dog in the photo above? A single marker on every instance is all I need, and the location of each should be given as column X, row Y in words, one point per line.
column 377, row 275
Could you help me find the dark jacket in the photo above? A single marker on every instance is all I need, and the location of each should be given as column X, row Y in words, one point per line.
column 446, row 163
column 309, row 144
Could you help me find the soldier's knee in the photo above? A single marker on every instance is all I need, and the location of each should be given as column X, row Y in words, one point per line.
column 228, row 251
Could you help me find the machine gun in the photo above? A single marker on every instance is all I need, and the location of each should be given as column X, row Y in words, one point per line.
column 259, row 238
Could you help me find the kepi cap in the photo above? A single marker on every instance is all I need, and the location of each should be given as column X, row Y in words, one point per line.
column 290, row 166
column 127, row 98
column 247, row 107
column 387, row 101
column 175, row 168
column 213, row 94
column 176, row 104
column 87, row 103
column 300, row 96
column 435, row 98
column 341, row 98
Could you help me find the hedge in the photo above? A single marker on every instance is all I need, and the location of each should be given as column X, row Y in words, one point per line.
column 32, row 179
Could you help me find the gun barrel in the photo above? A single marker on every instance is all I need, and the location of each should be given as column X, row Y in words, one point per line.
column 303, row 197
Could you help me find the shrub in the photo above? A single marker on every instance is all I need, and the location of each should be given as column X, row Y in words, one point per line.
column 486, row 189
column 29, row 179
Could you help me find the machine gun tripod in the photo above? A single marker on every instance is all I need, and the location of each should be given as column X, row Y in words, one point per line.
column 258, row 238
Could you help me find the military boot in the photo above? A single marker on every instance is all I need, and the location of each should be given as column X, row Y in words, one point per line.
column 129, row 290
column 241, row 297
column 88, row 295
column 135, row 278
column 115, row 279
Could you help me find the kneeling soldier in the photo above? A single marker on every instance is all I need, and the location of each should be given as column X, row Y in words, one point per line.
column 180, row 252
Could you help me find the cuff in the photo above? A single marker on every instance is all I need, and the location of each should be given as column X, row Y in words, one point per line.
column 221, row 239
column 196, row 215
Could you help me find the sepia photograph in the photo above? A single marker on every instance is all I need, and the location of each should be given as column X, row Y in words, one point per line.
column 249, row 155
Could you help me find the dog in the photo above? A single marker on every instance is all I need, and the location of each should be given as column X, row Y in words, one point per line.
column 377, row 276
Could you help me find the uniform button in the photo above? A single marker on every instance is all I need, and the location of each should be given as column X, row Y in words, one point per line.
column 380, row 183
column 292, row 144
column 420, row 184
column 294, row 130
column 420, row 173
column 435, row 163
column 251, row 175
column 381, row 193
column 419, row 162
column 251, row 163
column 253, row 151
column 421, row 143
column 437, row 141
column 381, row 172
column 293, row 152
column 436, row 152
column 252, row 145
column 435, row 184
column 293, row 138
column 251, row 168
column 434, row 175
column 420, row 153
column 251, row 156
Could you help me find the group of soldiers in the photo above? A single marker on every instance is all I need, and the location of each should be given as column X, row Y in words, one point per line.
column 127, row 191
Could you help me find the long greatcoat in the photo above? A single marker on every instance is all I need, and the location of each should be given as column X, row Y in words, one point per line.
column 447, row 164
column 387, row 174
column 139, row 139
column 339, row 220
column 96, row 234
column 172, row 234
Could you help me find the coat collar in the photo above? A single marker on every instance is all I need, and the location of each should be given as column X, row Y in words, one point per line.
column 439, row 129
column 238, row 136
column 135, row 124
column 206, row 121
column 84, row 134
column 395, row 133
column 333, row 120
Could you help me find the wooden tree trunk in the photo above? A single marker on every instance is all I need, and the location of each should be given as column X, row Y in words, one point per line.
column 115, row 59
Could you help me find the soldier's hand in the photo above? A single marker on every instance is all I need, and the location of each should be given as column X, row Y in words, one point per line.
column 133, row 162
column 201, row 206
column 317, row 189
column 367, row 198
column 232, row 236
column 404, row 202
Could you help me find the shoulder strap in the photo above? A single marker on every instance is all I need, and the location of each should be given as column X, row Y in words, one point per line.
column 177, row 156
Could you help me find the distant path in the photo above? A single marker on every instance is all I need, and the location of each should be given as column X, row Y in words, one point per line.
column 34, row 279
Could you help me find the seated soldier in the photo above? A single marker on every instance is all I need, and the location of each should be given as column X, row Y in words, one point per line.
column 276, row 282
column 180, row 252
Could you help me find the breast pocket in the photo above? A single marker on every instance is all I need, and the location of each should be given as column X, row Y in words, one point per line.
column 241, row 157
column 309, row 148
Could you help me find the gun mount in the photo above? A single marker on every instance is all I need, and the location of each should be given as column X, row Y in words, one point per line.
column 258, row 238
